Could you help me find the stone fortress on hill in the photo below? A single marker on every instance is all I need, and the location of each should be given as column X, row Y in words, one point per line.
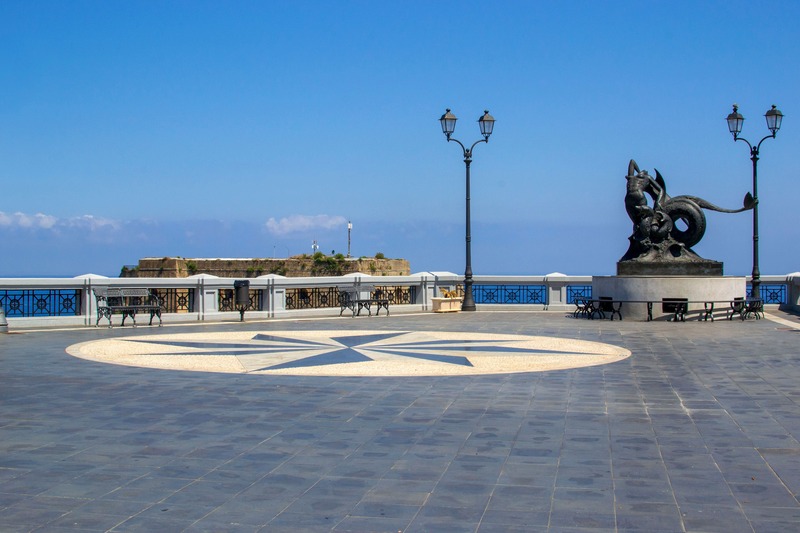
column 315, row 265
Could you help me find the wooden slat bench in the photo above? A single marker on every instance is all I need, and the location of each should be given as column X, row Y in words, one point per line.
column 127, row 302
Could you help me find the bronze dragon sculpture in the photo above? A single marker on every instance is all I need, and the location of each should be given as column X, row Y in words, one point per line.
column 656, row 234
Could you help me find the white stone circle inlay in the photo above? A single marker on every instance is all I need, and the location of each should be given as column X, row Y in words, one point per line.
column 350, row 353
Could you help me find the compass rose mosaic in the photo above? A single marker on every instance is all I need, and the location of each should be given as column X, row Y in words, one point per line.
column 350, row 353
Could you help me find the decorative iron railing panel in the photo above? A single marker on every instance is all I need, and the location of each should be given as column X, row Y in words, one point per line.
column 312, row 298
column 578, row 291
column 770, row 293
column 398, row 294
column 41, row 302
column 322, row 297
column 176, row 300
column 227, row 302
column 509, row 294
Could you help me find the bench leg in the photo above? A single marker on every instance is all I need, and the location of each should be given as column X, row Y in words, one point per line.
column 364, row 305
column 103, row 313
column 679, row 315
column 131, row 314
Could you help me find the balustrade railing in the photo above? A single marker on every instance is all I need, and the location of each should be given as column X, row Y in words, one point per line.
column 28, row 301
column 398, row 295
column 226, row 301
column 509, row 294
column 176, row 300
column 771, row 293
column 312, row 297
column 324, row 297
column 40, row 302
column 578, row 291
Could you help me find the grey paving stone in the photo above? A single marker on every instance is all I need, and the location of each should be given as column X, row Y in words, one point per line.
column 698, row 431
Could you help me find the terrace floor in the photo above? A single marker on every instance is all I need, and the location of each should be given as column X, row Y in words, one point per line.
column 254, row 426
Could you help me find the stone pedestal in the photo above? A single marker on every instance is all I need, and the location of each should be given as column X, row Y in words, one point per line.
column 653, row 288
column 698, row 267
column 446, row 305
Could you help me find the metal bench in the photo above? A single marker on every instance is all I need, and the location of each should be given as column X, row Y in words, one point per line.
column 582, row 307
column 746, row 308
column 677, row 306
column 603, row 305
column 127, row 302
column 351, row 298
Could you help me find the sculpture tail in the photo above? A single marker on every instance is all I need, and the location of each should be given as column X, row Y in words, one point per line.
column 749, row 202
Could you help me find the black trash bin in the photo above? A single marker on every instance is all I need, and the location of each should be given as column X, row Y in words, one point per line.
column 241, row 289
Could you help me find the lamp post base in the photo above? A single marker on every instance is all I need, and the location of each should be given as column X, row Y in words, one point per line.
column 469, row 302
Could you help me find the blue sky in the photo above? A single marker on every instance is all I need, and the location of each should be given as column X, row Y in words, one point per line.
column 250, row 129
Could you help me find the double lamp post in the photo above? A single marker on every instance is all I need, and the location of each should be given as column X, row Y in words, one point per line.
column 735, row 120
column 486, row 123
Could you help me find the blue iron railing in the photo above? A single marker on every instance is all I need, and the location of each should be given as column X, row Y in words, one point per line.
column 41, row 302
column 770, row 293
column 510, row 294
column 578, row 291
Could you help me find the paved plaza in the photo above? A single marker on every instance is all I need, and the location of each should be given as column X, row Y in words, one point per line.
column 580, row 426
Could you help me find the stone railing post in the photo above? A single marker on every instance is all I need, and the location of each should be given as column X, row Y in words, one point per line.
column 793, row 291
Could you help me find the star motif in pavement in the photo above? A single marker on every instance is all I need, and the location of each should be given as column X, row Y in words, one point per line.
column 264, row 352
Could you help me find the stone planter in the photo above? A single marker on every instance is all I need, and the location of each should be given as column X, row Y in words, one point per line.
column 446, row 305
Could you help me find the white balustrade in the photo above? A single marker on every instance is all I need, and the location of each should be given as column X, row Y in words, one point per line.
column 552, row 292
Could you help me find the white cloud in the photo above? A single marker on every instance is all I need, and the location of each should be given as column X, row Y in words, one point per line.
column 92, row 223
column 49, row 222
column 22, row 220
column 300, row 223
